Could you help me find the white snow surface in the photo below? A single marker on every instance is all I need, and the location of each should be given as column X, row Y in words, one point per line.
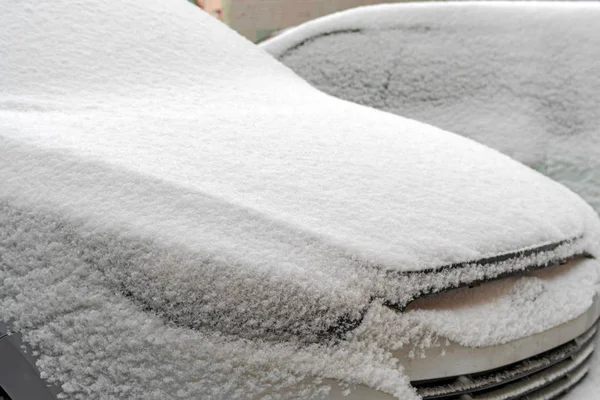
column 520, row 77
column 496, row 312
column 160, row 173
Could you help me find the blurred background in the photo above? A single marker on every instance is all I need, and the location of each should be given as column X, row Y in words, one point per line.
column 259, row 19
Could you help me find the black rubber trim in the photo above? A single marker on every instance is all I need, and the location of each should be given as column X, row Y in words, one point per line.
column 530, row 251
column 4, row 395
column 313, row 38
column 18, row 378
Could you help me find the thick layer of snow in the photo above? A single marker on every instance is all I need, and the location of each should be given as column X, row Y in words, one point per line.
column 519, row 77
column 98, row 344
column 384, row 189
column 160, row 173
column 499, row 311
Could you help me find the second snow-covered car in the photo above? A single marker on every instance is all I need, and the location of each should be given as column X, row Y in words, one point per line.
column 519, row 77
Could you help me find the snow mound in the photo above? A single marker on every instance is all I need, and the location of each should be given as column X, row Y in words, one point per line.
column 165, row 232
column 497, row 312
column 518, row 77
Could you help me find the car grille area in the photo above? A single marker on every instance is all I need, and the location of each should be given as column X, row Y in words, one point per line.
column 543, row 377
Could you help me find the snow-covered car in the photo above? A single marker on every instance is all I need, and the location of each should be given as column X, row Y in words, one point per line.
column 182, row 216
column 519, row 77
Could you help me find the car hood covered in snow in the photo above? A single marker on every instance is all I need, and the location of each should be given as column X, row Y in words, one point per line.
column 160, row 173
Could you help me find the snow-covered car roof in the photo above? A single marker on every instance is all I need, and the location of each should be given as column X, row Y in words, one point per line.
column 519, row 77
column 160, row 173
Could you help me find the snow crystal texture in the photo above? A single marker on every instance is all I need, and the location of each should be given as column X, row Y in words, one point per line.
column 181, row 216
column 521, row 78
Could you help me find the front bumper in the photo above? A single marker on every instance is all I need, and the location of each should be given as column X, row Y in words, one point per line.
column 544, row 375
column 459, row 360
column 540, row 366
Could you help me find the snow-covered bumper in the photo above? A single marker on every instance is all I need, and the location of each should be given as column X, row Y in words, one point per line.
column 500, row 372
column 473, row 349
column 533, row 366
column 541, row 364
